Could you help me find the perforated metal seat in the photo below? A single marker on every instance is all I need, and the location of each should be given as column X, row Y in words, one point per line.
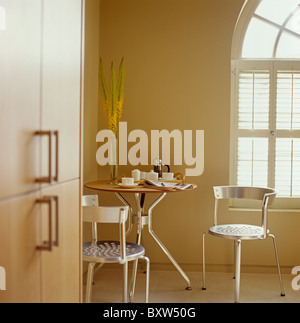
column 109, row 251
column 239, row 232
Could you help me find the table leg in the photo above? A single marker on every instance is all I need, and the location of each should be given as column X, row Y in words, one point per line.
column 162, row 245
column 140, row 200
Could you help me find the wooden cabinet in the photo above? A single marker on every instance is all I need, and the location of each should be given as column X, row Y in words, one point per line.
column 61, row 70
column 20, row 61
column 34, row 275
column 40, row 84
column 19, row 236
column 60, row 268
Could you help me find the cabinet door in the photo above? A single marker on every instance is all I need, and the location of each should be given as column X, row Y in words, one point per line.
column 61, row 82
column 61, row 280
column 20, row 47
column 19, row 236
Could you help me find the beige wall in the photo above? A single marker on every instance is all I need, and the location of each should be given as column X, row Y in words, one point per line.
column 91, row 110
column 91, row 98
column 177, row 58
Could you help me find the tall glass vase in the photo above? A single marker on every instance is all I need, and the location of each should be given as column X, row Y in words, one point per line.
column 114, row 161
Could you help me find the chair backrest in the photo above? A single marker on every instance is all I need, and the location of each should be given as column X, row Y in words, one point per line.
column 90, row 200
column 245, row 192
column 94, row 213
column 105, row 214
column 264, row 194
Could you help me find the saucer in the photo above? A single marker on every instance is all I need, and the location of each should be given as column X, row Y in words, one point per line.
column 128, row 185
column 166, row 180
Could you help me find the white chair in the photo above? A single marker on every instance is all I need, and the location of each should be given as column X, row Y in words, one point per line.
column 109, row 251
column 239, row 232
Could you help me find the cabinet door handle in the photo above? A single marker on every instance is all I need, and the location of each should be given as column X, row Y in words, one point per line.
column 49, row 178
column 48, row 244
column 56, row 155
column 56, row 242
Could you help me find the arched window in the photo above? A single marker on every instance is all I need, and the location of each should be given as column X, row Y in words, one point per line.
column 265, row 123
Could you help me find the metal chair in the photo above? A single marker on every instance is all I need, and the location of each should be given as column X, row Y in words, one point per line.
column 239, row 232
column 109, row 251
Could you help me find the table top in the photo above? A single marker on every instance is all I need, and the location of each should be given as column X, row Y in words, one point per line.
column 106, row 186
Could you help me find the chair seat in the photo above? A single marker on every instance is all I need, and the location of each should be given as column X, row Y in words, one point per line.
column 109, row 251
column 237, row 231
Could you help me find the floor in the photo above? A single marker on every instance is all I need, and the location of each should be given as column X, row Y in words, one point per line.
column 169, row 287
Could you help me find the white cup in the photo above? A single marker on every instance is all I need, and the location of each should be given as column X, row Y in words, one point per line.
column 168, row 176
column 152, row 176
column 143, row 175
column 127, row 180
column 136, row 174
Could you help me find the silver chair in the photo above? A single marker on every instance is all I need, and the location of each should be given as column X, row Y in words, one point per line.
column 239, row 232
column 109, row 251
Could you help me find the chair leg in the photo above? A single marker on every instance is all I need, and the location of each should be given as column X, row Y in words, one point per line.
column 278, row 266
column 147, row 277
column 237, row 270
column 89, row 282
column 203, row 261
column 234, row 254
column 133, row 281
column 125, row 282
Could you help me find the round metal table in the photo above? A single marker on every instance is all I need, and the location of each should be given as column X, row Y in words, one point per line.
column 141, row 217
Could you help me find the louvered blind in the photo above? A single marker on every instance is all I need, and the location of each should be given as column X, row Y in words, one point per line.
column 268, row 131
column 254, row 91
column 253, row 114
column 287, row 150
column 252, row 167
column 288, row 101
column 287, row 167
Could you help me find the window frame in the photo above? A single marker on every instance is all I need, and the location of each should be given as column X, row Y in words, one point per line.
column 247, row 13
column 272, row 66
column 289, row 204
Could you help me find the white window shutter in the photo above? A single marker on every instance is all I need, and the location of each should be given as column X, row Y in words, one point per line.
column 287, row 167
column 252, row 167
column 254, row 91
column 288, row 101
column 268, row 131
column 253, row 117
column 287, row 149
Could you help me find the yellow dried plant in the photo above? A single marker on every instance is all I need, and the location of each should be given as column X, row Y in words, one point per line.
column 113, row 96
